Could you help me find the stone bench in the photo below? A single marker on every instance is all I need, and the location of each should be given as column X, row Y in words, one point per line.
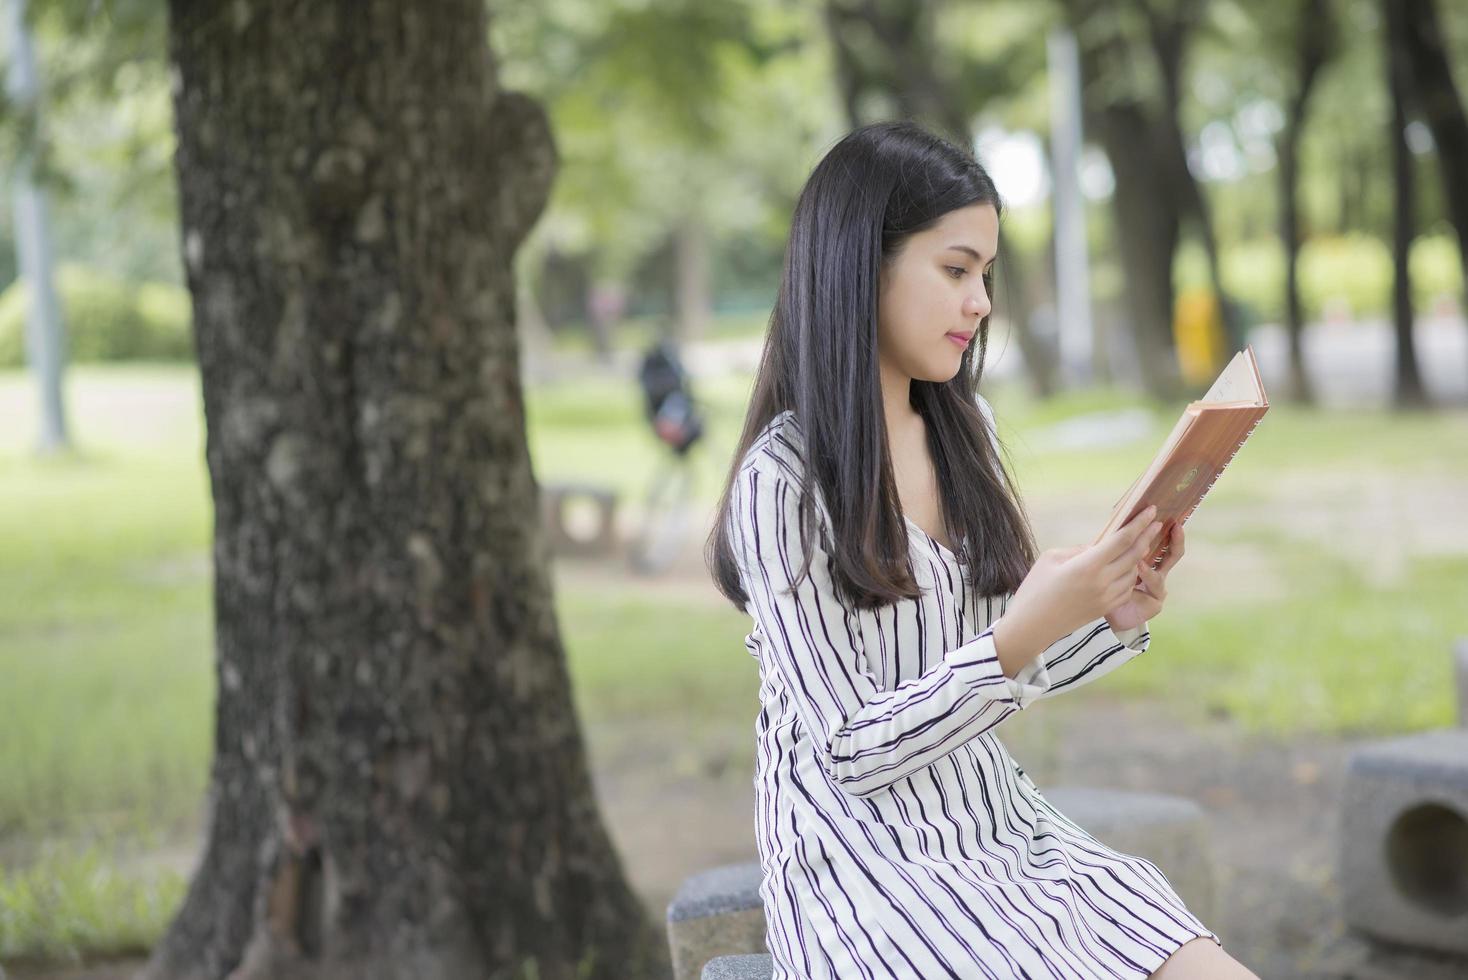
column 715, row 912
column 718, row 914
column 746, row 966
column 1460, row 671
column 1170, row 831
column 564, row 540
column 1403, row 844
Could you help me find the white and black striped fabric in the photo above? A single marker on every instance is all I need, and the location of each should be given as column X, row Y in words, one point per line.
column 897, row 836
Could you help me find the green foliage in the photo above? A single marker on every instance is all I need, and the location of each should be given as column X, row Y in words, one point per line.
column 1348, row 274
column 106, row 319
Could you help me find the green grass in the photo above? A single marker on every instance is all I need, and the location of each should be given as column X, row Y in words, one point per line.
column 1335, row 654
column 106, row 626
column 67, row 903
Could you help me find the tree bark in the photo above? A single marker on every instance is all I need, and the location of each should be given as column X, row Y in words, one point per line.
column 1409, row 392
column 399, row 787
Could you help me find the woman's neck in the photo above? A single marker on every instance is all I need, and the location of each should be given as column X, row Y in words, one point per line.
column 903, row 421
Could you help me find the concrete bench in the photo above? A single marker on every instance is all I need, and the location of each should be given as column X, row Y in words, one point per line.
column 564, row 540
column 1403, row 858
column 747, row 966
column 1460, row 671
column 718, row 914
column 1169, row 831
column 715, row 912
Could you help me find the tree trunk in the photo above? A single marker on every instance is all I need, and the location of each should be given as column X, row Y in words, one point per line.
column 1169, row 35
column 1436, row 96
column 1041, row 360
column 1314, row 42
column 399, row 787
column 1146, row 203
column 1147, row 233
column 693, row 299
column 1409, row 390
column 888, row 49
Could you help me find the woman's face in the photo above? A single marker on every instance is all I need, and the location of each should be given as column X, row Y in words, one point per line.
column 934, row 291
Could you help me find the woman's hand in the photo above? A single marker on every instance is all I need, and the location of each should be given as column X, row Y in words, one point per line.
column 1069, row 587
column 1146, row 598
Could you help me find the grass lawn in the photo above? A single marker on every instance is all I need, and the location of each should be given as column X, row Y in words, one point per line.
column 106, row 631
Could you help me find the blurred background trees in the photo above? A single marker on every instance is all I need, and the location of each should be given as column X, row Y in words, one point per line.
column 1237, row 168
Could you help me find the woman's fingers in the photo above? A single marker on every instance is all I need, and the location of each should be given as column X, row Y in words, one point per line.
column 1176, row 546
column 1155, row 581
column 1142, row 546
column 1124, row 537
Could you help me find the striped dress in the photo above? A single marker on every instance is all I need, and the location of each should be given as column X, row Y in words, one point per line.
column 896, row 835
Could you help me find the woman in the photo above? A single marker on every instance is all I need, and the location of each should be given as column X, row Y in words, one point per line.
column 901, row 613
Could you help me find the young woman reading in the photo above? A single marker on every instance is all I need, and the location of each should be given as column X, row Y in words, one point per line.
column 901, row 613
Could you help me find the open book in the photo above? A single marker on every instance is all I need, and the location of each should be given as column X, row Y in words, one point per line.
column 1209, row 434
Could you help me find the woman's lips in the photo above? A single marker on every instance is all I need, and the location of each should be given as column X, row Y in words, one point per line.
column 958, row 339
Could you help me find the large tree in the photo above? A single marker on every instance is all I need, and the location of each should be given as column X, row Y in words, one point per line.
column 1133, row 59
column 1302, row 40
column 1434, row 92
column 399, row 786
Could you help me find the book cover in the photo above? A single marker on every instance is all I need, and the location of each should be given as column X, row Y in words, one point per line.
column 1205, row 439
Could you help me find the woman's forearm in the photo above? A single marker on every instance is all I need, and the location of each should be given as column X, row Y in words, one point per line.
column 1017, row 642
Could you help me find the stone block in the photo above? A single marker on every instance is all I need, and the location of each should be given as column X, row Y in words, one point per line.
column 749, row 966
column 715, row 912
column 1169, row 831
column 1403, row 845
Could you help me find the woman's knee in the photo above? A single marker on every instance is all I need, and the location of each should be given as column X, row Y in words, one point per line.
column 1202, row 959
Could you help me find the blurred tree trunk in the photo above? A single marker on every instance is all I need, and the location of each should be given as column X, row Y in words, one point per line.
column 1436, row 96
column 1147, row 203
column 1041, row 363
column 605, row 301
column 1169, row 37
column 1409, row 392
column 1315, row 40
column 888, row 50
column 1147, row 235
column 399, row 786
column 694, row 297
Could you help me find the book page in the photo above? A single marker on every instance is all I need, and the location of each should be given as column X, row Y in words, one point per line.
column 1237, row 382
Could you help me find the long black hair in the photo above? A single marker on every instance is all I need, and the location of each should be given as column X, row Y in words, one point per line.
column 878, row 185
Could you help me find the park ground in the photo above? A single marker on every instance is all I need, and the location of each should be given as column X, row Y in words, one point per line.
column 1315, row 610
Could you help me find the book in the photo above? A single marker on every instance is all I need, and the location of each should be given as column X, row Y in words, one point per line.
column 1206, row 438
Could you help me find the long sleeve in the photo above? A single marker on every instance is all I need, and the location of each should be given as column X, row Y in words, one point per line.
column 1094, row 650
column 865, row 737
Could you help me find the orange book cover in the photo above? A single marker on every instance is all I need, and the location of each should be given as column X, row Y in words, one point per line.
column 1207, row 436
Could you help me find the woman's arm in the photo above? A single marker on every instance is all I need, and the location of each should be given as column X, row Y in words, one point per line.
column 866, row 738
column 1081, row 656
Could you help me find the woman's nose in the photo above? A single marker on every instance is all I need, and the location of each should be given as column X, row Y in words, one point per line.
column 977, row 304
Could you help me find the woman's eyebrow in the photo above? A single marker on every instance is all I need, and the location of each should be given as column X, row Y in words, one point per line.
column 965, row 249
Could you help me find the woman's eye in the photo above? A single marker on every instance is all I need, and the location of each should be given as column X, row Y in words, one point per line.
column 957, row 269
